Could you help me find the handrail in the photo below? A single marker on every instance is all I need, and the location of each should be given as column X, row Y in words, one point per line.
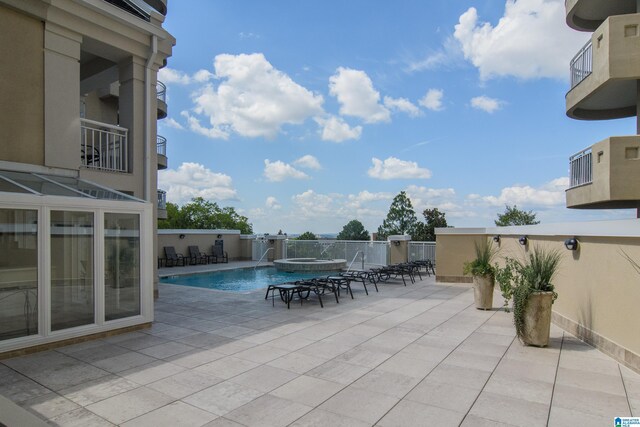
column 263, row 255
column 161, row 145
column 326, row 248
column 581, row 66
column 162, row 199
column 161, row 91
column 581, row 168
column 354, row 260
column 104, row 125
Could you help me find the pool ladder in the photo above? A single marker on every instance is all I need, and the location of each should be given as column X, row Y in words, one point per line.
column 262, row 257
column 354, row 260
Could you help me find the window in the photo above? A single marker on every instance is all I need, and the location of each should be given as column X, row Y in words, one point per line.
column 72, row 264
column 18, row 273
column 121, row 265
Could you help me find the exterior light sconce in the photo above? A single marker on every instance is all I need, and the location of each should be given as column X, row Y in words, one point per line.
column 396, row 243
column 181, row 236
column 496, row 239
column 219, row 236
column 523, row 240
column 272, row 241
column 571, row 244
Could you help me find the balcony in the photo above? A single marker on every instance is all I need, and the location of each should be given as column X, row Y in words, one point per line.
column 159, row 5
column 104, row 146
column 161, row 90
column 606, row 175
column 605, row 70
column 162, row 204
column 161, row 146
column 588, row 15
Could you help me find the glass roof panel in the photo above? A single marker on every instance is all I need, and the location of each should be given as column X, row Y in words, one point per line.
column 53, row 185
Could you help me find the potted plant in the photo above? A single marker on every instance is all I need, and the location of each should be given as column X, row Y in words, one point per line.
column 483, row 274
column 530, row 283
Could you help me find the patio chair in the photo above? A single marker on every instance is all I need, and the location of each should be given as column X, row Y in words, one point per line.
column 196, row 257
column 361, row 276
column 172, row 258
column 286, row 290
column 219, row 254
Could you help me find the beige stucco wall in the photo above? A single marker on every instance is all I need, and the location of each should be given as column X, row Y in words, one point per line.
column 598, row 289
column 21, row 88
column 204, row 240
column 452, row 251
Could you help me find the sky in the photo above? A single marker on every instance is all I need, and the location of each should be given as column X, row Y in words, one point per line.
column 306, row 114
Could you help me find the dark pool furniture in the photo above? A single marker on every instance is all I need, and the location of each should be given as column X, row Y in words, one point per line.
column 219, row 254
column 172, row 258
column 197, row 257
column 361, row 276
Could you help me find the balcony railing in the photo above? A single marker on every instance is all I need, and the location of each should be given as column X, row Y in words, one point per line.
column 104, row 146
column 161, row 90
column 162, row 199
column 162, row 145
column 582, row 64
column 580, row 169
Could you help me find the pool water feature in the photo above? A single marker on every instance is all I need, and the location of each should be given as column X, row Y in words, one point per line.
column 240, row 280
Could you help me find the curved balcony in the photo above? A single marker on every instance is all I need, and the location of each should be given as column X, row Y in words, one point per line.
column 161, row 146
column 604, row 72
column 606, row 175
column 162, row 204
column 159, row 5
column 161, row 91
column 588, row 15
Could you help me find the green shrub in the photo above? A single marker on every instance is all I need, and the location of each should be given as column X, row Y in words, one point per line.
column 481, row 266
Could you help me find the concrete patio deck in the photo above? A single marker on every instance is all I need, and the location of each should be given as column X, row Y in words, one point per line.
column 406, row 356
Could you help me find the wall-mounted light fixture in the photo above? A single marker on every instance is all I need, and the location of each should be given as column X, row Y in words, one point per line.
column 396, row 243
column 496, row 239
column 219, row 236
column 523, row 240
column 571, row 244
column 272, row 241
column 181, row 236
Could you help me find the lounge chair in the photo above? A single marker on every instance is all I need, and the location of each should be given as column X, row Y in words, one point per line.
column 172, row 258
column 361, row 276
column 219, row 254
column 196, row 257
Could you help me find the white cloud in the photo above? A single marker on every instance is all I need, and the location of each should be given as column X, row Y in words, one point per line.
column 450, row 53
column 356, row 201
column 357, row 96
column 403, row 105
column 549, row 194
column 272, row 203
column 169, row 75
column 279, row 171
column 194, row 180
column 393, row 168
column 170, row 122
column 253, row 98
column 531, row 40
column 308, row 162
column 432, row 100
column 195, row 126
column 337, row 130
column 484, row 103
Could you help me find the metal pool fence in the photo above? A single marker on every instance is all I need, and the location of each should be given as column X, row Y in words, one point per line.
column 375, row 253
column 419, row 251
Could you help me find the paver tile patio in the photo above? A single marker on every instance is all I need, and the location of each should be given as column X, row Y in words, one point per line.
column 404, row 356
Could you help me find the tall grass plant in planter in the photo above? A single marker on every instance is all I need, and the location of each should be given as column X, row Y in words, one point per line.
column 483, row 273
column 534, row 294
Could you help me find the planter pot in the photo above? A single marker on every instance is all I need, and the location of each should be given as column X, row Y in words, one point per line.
column 483, row 292
column 537, row 319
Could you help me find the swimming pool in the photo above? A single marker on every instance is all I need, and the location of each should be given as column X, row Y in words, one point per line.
column 240, row 280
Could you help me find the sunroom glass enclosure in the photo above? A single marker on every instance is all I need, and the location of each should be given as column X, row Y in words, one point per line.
column 71, row 259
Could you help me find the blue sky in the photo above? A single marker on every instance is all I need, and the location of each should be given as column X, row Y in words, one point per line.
column 304, row 115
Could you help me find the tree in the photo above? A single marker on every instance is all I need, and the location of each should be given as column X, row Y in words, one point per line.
column 307, row 235
column 354, row 230
column 204, row 215
column 515, row 216
column 401, row 218
column 433, row 219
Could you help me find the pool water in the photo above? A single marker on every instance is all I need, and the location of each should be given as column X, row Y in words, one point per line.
column 240, row 280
